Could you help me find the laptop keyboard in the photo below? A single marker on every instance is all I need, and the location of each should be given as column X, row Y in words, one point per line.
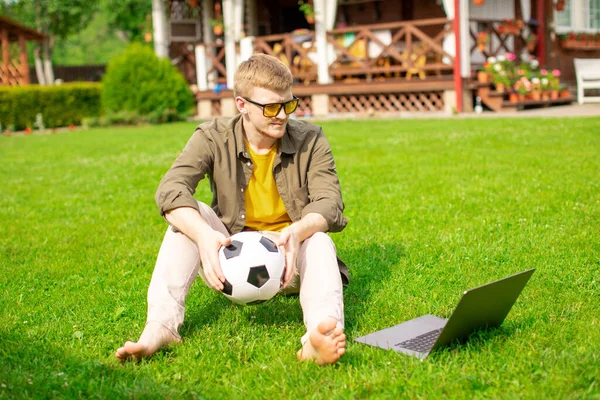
column 422, row 343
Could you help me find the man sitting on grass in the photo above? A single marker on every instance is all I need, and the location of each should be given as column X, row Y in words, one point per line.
column 267, row 173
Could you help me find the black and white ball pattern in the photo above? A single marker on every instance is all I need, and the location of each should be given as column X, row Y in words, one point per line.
column 253, row 267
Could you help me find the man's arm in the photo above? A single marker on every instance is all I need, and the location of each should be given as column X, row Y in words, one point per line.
column 189, row 221
column 178, row 185
column 324, row 190
column 296, row 233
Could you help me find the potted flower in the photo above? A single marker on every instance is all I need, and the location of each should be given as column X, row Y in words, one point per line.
column 217, row 25
column 148, row 29
column 484, row 75
column 523, row 88
column 501, row 81
column 509, row 27
column 531, row 42
column 545, row 85
column 483, row 39
column 308, row 9
column 536, row 89
column 564, row 92
column 554, row 83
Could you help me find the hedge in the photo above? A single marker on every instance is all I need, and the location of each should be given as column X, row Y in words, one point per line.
column 137, row 81
column 60, row 105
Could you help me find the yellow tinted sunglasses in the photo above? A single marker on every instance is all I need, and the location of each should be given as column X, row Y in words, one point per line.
column 271, row 110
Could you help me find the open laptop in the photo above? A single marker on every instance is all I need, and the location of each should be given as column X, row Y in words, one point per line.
column 479, row 308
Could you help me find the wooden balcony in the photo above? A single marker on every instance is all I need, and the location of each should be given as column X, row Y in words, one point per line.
column 391, row 50
column 399, row 50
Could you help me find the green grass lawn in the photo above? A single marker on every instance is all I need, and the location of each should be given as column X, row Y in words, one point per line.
column 435, row 207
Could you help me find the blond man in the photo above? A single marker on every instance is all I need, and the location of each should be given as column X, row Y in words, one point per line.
column 267, row 173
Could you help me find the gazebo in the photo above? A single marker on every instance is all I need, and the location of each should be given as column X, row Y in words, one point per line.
column 14, row 68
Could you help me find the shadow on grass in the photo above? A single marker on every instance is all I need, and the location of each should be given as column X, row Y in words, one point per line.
column 36, row 369
column 370, row 267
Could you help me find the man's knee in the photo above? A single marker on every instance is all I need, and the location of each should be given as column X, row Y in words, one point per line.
column 321, row 237
column 320, row 242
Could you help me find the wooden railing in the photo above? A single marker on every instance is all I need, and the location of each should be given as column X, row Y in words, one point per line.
column 503, row 37
column 390, row 50
column 399, row 49
column 296, row 50
column 14, row 69
column 217, row 73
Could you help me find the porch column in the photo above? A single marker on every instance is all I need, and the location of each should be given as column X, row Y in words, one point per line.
column 24, row 62
column 5, row 57
column 541, row 32
column 205, row 80
column 207, row 15
column 159, row 23
column 321, row 41
column 201, row 67
column 252, row 19
column 465, row 40
column 458, row 83
column 233, row 19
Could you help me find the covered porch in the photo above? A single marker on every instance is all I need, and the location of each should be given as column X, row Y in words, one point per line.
column 14, row 68
column 340, row 66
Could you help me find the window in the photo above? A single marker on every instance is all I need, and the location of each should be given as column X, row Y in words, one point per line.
column 594, row 13
column 578, row 16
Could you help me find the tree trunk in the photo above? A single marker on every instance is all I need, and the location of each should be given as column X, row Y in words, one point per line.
column 48, row 71
column 39, row 69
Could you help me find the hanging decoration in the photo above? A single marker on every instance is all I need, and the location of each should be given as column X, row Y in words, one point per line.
column 308, row 10
column 478, row 2
column 560, row 5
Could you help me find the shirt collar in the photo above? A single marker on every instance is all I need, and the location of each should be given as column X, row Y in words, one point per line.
column 288, row 145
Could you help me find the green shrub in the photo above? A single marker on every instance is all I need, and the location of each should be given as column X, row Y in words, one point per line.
column 138, row 81
column 60, row 105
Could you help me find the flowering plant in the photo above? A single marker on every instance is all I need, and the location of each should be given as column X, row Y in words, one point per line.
column 483, row 38
column 554, row 79
column 523, row 86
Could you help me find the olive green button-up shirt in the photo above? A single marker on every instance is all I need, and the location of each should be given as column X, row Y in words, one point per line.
column 304, row 173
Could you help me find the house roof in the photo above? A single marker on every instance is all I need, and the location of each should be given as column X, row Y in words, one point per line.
column 16, row 29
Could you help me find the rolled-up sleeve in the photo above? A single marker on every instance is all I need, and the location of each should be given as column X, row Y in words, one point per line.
column 179, row 184
column 325, row 196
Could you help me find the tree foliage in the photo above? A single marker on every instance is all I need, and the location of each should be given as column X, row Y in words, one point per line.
column 55, row 18
column 130, row 17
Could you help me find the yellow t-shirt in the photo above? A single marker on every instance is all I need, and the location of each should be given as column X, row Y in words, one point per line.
column 264, row 208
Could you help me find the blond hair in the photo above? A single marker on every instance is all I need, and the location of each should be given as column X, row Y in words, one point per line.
column 261, row 70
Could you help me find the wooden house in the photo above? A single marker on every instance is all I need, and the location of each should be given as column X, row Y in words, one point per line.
column 374, row 56
column 14, row 67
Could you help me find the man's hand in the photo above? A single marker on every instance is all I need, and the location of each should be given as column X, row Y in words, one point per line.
column 209, row 242
column 289, row 240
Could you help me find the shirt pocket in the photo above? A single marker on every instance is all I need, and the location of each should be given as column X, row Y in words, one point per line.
column 300, row 196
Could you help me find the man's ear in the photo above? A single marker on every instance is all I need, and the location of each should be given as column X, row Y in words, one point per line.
column 241, row 105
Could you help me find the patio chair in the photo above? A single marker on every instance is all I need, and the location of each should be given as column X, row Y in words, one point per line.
column 418, row 61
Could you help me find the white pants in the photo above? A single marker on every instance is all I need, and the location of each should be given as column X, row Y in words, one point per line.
column 178, row 263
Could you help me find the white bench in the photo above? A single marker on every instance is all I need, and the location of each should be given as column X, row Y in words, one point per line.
column 587, row 71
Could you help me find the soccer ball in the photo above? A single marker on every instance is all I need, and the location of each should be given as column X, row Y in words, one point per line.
column 253, row 267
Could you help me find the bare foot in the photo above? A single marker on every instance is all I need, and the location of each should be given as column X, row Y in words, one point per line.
column 153, row 338
column 325, row 345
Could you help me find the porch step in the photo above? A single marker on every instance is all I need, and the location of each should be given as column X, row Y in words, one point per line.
column 489, row 97
column 495, row 100
column 520, row 105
